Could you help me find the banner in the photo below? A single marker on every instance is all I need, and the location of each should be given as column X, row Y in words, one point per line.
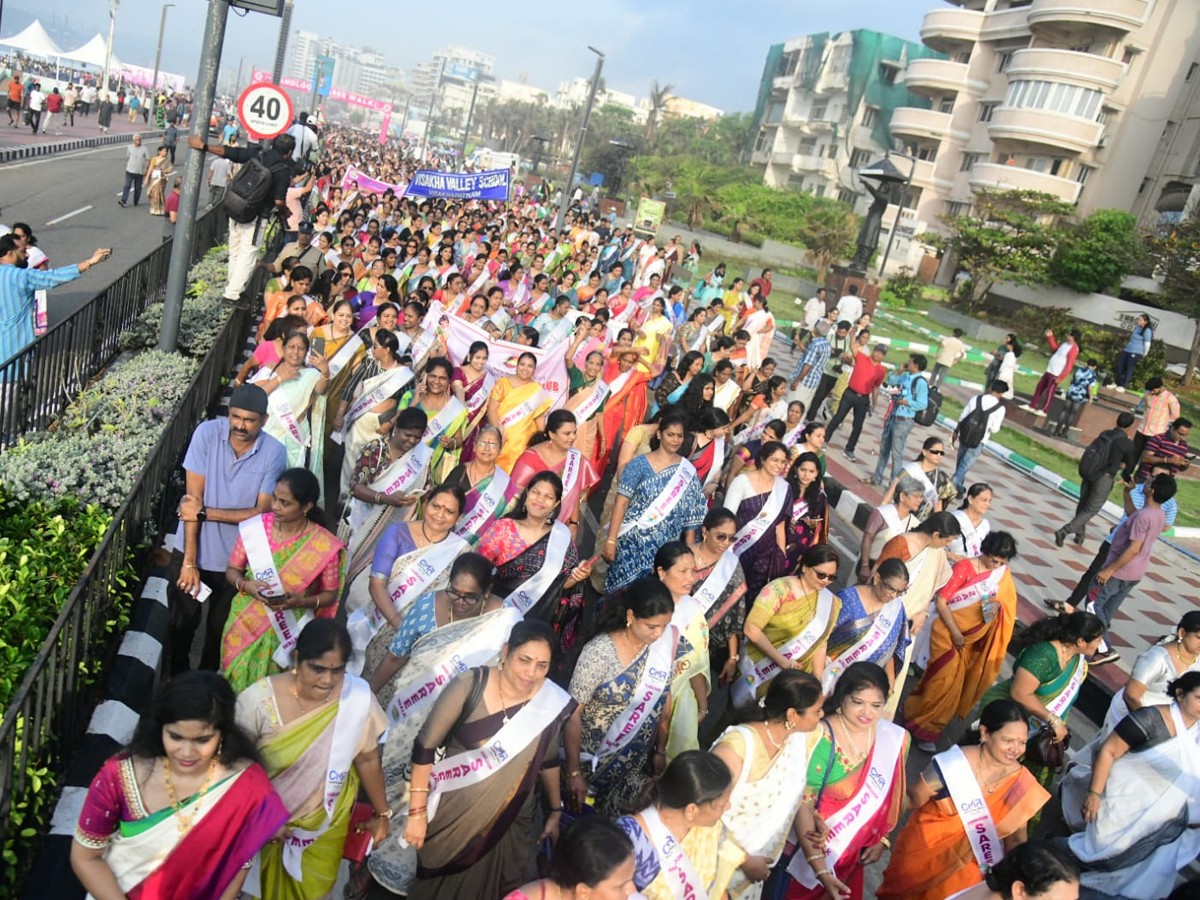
column 551, row 371
column 322, row 76
column 385, row 125
column 367, row 183
column 305, row 87
column 490, row 185
column 649, row 217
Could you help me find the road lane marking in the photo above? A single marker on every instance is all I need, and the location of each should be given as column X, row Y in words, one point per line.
column 55, row 157
column 73, row 212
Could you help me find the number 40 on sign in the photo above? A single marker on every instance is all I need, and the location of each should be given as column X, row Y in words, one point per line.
column 265, row 110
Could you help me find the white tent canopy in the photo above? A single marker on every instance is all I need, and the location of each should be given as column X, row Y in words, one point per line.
column 35, row 41
column 91, row 53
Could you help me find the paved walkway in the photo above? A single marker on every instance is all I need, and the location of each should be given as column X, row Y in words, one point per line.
column 22, row 143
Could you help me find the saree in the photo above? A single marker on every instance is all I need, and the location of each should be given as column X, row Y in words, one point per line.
column 861, row 804
column 475, row 395
column 307, row 564
column 297, row 420
column 624, row 408
column 149, row 854
column 1145, row 831
column 984, row 606
column 443, row 422
column 932, row 857
column 588, row 402
column 801, row 536
column 710, row 857
column 520, row 407
column 785, row 614
column 692, row 660
column 362, row 423
column 728, row 610
column 156, row 181
column 762, row 560
column 861, row 636
column 607, row 690
column 576, row 471
column 297, row 756
column 487, row 500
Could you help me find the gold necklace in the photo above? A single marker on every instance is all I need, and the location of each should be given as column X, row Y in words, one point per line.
column 1182, row 659
column 774, row 743
column 859, row 754
column 184, row 823
column 994, row 784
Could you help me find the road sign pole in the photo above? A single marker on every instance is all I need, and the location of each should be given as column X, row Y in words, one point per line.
column 193, row 175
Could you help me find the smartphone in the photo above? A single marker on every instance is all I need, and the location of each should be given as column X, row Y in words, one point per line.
column 318, row 346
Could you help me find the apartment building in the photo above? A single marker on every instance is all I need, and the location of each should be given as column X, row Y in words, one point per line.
column 1093, row 101
column 825, row 107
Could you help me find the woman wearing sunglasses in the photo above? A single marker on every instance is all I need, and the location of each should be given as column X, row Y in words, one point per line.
column 925, row 468
column 789, row 624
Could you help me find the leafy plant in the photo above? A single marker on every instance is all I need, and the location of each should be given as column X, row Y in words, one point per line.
column 903, row 289
column 1095, row 254
column 1176, row 256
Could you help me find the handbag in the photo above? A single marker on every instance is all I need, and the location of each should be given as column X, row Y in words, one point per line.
column 1043, row 750
column 358, row 842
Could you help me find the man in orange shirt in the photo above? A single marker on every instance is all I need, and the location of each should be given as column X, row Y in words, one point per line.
column 15, row 94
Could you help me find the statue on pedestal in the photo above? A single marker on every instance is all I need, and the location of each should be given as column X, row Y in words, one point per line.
column 868, row 234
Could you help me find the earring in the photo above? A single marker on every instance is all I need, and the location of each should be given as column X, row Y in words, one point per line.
column 788, row 725
column 501, row 666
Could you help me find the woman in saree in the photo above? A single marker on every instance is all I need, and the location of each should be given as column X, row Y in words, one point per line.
column 296, row 388
column 888, row 520
column 976, row 612
column 270, row 349
column 554, row 450
column 765, row 753
column 745, row 455
column 942, row 850
column 625, row 407
column 391, row 474
column 185, row 808
column 706, row 448
column 318, row 729
column 681, row 845
column 754, row 382
column 617, row 736
column 1050, row 668
column 1134, row 810
column 156, row 180
column 937, row 485
column 659, row 499
column 726, row 390
column 765, row 407
column 812, row 440
column 518, row 406
column 288, row 298
column 655, row 332
column 369, row 400
column 761, row 326
column 670, row 390
column 592, row 860
column 538, row 570
column 719, row 586
column 587, row 400
column 872, row 626
column 973, row 520
column 283, row 560
column 674, row 565
column 808, row 516
column 472, row 385
column 762, row 502
column 711, row 286
column 447, row 416
column 789, row 623
column 472, row 835
column 488, row 489
column 856, row 784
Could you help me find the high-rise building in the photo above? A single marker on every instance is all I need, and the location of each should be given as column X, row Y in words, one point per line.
column 825, row 109
column 357, row 70
column 1092, row 101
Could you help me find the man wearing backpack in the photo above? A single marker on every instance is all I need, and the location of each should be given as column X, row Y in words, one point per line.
column 910, row 396
column 1111, row 451
column 981, row 418
column 254, row 194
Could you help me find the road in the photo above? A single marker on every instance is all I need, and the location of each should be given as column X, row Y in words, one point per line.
column 78, row 192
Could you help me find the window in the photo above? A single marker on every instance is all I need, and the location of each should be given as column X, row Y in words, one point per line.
column 1053, row 96
column 1083, row 172
column 928, row 153
column 764, row 140
column 1036, row 164
column 819, row 108
column 947, row 105
column 968, row 161
column 833, row 148
column 870, row 116
column 957, row 208
column 1191, row 71
column 1129, row 54
column 986, row 110
column 847, row 196
column 1145, row 184
column 1081, row 48
column 819, row 189
column 963, row 57
column 1004, row 62
column 775, row 112
column 887, row 73
column 859, row 158
column 807, row 146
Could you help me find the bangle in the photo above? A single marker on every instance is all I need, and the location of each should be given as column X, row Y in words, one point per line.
column 821, row 872
column 554, row 809
column 814, row 856
column 417, row 813
column 413, row 790
column 377, row 496
column 610, row 541
column 317, row 608
column 1097, row 793
column 886, row 841
column 190, row 566
column 703, row 712
column 239, row 584
column 383, row 815
column 658, row 752
column 578, row 773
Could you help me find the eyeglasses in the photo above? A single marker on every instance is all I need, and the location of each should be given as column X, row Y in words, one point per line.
column 486, row 444
column 890, row 591
column 936, row 452
column 824, row 576
column 722, row 538
column 471, row 599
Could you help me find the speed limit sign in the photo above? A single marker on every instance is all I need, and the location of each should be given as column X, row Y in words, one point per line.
column 265, row 110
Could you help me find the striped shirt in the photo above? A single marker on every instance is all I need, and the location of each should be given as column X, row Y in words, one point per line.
column 17, row 300
column 1161, row 410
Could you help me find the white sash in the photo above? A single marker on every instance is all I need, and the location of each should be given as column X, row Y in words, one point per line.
column 423, row 345
column 441, row 421
column 881, row 628
column 891, row 517
column 765, row 669
column 480, row 513
column 436, row 310
column 481, row 395
column 656, row 678
column 476, row 650
column 473, row 766
column 618, row 384
column 860, row 809
column 718, row 461
column 792, row 438
column 750, row 533
column 393, row 381
column 283, row 409
column 662, row 505
column 972, row 809
column 677, row 869
column 529, row 592
column 479, row 282
column 526, row 408
column 520, row 295
column 346, row 352
column 405, row 473
column 353, row 708
column 584, row 411
column 708, row 593
column 1063, row 701
column 572, row 466
column 559, row 331
column 262, row 565
column 687, row 609
column 979, row 592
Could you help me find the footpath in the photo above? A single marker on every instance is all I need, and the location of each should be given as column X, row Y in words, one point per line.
column 21, row 143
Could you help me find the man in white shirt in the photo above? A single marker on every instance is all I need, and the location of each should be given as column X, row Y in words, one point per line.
column 815, row 309
column 306, row 138
column 950, row 353
column 991, row 403
column 218, row 179
column 37, row 102
column 850, row 306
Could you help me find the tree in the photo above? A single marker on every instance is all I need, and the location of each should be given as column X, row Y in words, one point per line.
column 658, row 102
column 1095, row 254
column 828, row 230
column 1176, row 255
column 1010, row 236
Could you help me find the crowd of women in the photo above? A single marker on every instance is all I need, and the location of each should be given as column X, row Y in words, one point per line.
column 447, row 690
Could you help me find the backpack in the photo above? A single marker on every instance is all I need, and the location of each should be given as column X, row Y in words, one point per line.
column 1095, row 457
column 249, row 193
column 971, row 430
column 929, row 414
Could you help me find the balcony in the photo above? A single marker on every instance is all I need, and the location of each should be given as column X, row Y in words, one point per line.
column 1073, row 15
column 923, row 176
column 929, row 77
column 782, row 83
column 1050, row 129
column 1048, row 64
column 948, row 29
column 1014, row 178
column 760, row 157
column 921, row 123
column 1003, row 24
column 808, row 162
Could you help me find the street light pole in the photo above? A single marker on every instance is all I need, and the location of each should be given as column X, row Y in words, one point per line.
column 112, row 25
column 285, row 26
column 193, row 174
column 162, row 27
column 887, row 251
column 462, row 154
column 565, row 203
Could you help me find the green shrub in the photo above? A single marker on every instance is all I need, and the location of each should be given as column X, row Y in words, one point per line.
column 904, row 289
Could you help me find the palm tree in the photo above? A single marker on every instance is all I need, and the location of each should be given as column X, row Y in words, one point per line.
column 658, row 102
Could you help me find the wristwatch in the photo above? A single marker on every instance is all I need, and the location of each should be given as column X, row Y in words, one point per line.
column 202, row 515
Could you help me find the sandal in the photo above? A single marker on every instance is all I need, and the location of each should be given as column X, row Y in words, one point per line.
column 1059, row 606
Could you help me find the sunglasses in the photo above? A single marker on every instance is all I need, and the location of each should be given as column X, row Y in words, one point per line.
column 825, row 576
column 722, row 538
column 936, row 452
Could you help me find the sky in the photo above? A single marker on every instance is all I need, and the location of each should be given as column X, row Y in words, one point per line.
column 709, row 50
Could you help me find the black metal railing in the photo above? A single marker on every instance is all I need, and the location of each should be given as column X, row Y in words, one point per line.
column 49, row 713
column 43, row 378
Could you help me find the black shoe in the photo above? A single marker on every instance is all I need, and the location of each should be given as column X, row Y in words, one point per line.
column 122, row 203
column 1079, row 540
column 1060, row 538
